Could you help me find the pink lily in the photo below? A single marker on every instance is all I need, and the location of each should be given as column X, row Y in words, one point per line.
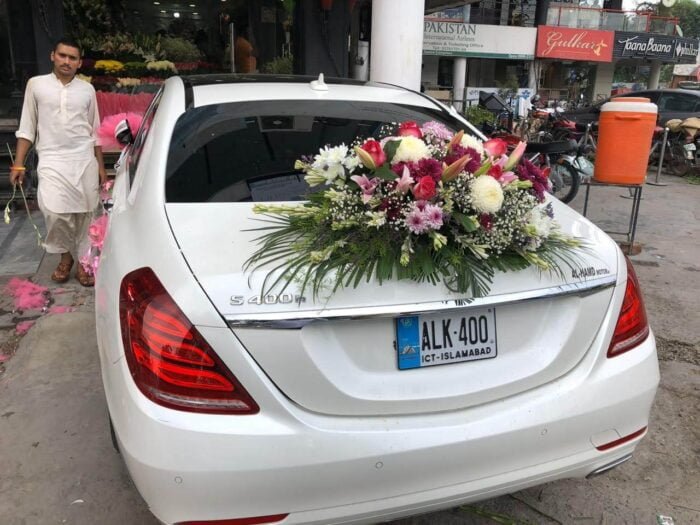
column 403, row 183
column 500, row 174
column 515, row 156
column 366, row 185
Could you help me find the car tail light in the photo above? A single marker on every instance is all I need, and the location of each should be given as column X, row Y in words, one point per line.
column 168, row 358
column 632, row 327
column 259, row 520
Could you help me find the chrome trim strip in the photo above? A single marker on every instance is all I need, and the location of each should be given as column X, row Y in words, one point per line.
column 295, row 321
column 609, row 466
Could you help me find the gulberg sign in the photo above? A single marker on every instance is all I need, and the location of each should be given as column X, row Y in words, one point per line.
column 660, row 47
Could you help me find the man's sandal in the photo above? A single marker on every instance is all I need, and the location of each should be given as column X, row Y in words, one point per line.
column 62, row 272
column 84, row 277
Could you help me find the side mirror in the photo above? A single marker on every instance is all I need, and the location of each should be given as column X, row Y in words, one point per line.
column 123, row 133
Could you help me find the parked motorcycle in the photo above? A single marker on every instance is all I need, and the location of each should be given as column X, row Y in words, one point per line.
column 685, row 145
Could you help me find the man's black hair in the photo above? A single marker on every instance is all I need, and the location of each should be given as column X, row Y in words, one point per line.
column 68, row 42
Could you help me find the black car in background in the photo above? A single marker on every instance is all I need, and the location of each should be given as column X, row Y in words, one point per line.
column 672, row 103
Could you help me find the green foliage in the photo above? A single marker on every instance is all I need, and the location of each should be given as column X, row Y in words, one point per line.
column 87, row 17
column 666, row 73
column 179, row 50
column 135, row 69
column 478, row 115
column 279, row 66
column 509, row 87
column 289, row 243
column 689, row 14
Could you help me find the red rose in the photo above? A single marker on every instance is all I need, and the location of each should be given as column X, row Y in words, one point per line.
column 425, row 189
column 496, row 171
column 375, row 150
column 496, row 147
column 410, row 129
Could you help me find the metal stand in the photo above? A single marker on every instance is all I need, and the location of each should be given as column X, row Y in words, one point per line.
column 636, row 190
column 661, row 161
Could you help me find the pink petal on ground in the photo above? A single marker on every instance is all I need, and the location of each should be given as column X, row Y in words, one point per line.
column 23, row 327
column 4, row 357
column 27, row 295
column 60, row 309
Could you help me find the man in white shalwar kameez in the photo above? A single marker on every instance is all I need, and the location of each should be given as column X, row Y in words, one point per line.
column 60, row 117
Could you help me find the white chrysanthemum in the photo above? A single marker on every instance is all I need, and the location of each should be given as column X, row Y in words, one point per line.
column 330, row 161
column 411, row 149
column 540, row 222
column 470, row 141
column 351, row 163
column 486, row 193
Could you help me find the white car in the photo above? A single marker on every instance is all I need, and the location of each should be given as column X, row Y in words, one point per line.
column 281, row 409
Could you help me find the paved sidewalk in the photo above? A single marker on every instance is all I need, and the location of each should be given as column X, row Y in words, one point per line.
column 20, row 253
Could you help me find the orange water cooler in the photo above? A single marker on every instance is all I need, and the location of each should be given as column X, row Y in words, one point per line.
column 625, row 132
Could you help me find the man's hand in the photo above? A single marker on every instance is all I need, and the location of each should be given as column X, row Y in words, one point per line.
column 103, row 175
column 16, row 176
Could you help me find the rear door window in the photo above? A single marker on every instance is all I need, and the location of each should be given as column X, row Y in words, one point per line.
column 137, row 146
column 679, row 102
column 245, row 152
column 653, row 96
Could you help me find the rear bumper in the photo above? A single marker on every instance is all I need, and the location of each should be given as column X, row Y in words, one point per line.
column 325, row 470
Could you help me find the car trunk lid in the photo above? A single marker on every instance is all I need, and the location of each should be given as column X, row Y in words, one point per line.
column 362, row 351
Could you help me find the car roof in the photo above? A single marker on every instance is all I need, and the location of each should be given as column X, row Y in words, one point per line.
column 202, row 90
column 667, row 90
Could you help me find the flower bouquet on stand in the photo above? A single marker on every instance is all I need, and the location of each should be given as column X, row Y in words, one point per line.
column 417, row 203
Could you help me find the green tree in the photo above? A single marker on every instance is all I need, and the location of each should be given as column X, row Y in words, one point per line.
column 688, row 13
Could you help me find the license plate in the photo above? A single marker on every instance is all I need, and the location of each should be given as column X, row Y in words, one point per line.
column 443, row 339
column 689, row 147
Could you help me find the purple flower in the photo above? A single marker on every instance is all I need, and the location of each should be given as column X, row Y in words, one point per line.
column 527, row 171
column 416, row 222
column 437, row 130
column 427, row 168
column 486, row 221
column 433, row 214
column 399, row 166
column 460, row 151
column 420, row 205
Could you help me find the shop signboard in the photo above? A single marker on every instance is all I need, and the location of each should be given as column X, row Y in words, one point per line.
column 458, row 39
column 587, row 45
column 656, row 47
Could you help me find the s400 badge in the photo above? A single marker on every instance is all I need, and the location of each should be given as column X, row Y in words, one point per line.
column 283, row 298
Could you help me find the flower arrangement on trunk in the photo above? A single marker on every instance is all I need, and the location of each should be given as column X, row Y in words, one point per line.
column 422, row 204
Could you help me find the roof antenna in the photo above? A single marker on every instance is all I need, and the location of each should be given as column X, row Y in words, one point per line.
column 319, row 85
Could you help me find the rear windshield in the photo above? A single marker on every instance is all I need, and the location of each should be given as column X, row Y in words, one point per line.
column 245, row 151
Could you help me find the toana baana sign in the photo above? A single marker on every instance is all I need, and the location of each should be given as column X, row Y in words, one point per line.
column 655, row 47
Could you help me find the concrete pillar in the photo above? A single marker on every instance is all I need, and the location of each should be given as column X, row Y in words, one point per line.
column 459, row 74
column 654, row 75
column 397, row 42
column 603, row 81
